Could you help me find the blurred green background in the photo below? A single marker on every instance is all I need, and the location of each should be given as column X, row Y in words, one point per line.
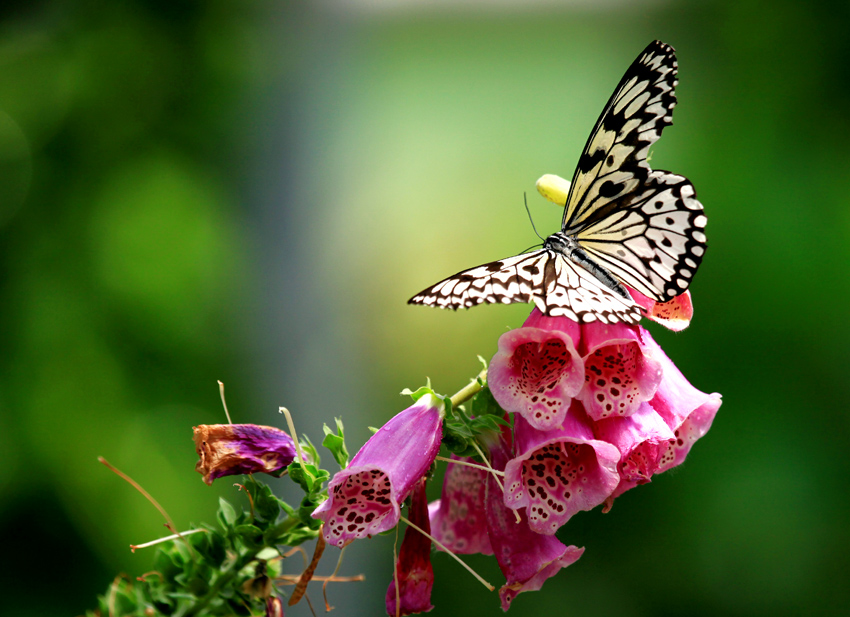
column 250, row 191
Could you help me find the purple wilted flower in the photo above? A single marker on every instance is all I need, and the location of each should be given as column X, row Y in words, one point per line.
column 559, row 472
column 458, row 517
column 363, row 499
column 414, row 572
column 233, row 449
column 527, row 559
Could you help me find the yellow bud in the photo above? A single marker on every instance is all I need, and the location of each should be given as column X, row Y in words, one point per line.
column 554, row 188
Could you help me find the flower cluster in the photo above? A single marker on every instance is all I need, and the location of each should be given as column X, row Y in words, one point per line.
column 598, row 409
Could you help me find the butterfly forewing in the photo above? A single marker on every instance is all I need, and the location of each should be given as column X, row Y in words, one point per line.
column 646, row 227
column 613, row 163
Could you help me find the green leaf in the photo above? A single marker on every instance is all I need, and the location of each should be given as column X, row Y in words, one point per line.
column 226, row 514
column 251, row 535
column 335, row 442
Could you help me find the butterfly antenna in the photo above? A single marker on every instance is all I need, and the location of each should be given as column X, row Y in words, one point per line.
column 525, row 199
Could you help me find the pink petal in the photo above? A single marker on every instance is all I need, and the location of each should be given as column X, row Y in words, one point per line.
column 458, row 517
column 527, row 559
column 687, row 411
column 559, row 472
column 619, row 376
column 641, row 439
column 537, row 370
column 363, row 499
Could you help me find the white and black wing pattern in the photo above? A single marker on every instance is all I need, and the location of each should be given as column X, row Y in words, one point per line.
column 646, row 227
column 655, row 242
column 558, row 287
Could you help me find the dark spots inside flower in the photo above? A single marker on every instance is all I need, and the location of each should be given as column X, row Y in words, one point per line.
column 535, row 398
column 550, row 481
column 344, row 509
column 615, row 392
column 359, row 520
column 370, row 517
column 600, row 397
column 351, row 516
column 600, row 383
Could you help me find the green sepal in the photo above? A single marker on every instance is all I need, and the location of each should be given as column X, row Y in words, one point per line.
column 422, row 391
column 335, row 442
column 306, row 475
column 311, row 451
column 482, row 423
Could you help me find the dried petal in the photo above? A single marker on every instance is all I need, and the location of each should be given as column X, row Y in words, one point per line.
column 233, row 449
column 675, row 314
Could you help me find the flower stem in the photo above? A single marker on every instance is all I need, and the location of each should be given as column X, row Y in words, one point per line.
column 495, row 476
column 466, row 393
column 474, row 465
column 444, row 548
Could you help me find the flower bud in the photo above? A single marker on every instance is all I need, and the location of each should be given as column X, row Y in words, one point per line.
column 554, row 188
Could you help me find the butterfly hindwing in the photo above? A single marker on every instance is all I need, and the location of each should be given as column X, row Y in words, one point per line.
column 558, row 287
column 656, row 240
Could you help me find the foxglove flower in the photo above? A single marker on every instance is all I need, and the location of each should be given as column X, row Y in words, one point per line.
column 363, row 499
column 527, row 559
column 537, row 370
column 414, row 572
column 661, row 433
column 559, row 472
column 540, row 367
column 641, row 439
column 458, row 517
column 234, row 449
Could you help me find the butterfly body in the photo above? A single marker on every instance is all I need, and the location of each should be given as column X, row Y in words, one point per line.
column 569, row 247
column 625, row 226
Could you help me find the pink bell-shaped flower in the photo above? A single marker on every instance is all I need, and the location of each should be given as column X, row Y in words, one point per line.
column 363, row 499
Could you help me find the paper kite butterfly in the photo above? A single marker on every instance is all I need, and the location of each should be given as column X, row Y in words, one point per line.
column 624, row 223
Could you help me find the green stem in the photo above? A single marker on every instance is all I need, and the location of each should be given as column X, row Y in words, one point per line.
column 470, row 390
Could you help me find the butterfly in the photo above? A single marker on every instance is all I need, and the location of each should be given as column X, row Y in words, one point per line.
column 624, row 224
